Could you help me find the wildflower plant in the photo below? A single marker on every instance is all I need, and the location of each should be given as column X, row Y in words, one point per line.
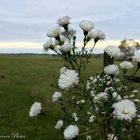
column 62, row 40
column 100, row 107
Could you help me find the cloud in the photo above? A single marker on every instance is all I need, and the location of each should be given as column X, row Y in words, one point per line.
column 29, row 20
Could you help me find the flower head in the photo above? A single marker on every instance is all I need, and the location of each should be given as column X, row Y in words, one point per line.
column 53, row 32
column 68, row 79
column 35, row 109
column 126, row 65
column 71, row 132
column 92, row 118
column 113, row 51
column 64, row 21
column 103, row 96
column 86, row 25
column 111, row 70
column 48, row 44
column 59, row 124
column 75, row 117
column 124, row 110
column 56, row 96
column 135, row 91
column 116, row 96
column 66, row 47
column 136, row 56
column 88, row 137
column 63, row 70
column 96, row 35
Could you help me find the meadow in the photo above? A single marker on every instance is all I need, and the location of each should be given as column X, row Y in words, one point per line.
column 24, row 80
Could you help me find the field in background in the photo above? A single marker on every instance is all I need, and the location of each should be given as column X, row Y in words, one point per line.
column 24, row 80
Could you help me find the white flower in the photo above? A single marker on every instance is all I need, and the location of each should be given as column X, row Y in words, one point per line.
column 113, row 51
column 111, row 88
column 55, row 42
column 116, row 96
column 59, row 124
column 111, row 137
column 135, row 91
column 100, row 97
column 68, row 79
column 109, row 83
column 35, row 109
column 124, row 110
column 138, row 120
column 88, row 112
column 103, row 95
column 63, row 21
column 66, row 47
column 48, row 44
column 136, row 56
column 74, row 115
column 71, row 132
column 88, row 85
column 56, row 96
column 136, row 100
column 86, row 25
column 63, row 70
column 96, row 34
column 88, row 138
column 82, row 101
column 53, row 32
column 126, row 97
column 132, row 95
column 126, row 65
column 111, row 70
column 92, row 118
column 117, row 80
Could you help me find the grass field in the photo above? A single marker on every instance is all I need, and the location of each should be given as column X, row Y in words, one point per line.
column 23, row 80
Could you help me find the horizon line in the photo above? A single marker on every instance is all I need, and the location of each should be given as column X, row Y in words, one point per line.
column 30, row 44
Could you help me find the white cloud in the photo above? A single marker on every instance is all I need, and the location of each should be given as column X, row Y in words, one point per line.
column 28, row 20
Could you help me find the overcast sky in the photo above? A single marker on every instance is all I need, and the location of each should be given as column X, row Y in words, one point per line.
column 29, row 20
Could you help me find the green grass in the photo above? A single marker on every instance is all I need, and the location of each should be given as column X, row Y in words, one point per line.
column 24, row 80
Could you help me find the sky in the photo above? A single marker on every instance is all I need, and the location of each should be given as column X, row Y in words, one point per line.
column 25, row 22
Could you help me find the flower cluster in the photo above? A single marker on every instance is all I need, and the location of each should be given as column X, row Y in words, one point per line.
column 62, row 40
column 103, row 96
column 93, row 108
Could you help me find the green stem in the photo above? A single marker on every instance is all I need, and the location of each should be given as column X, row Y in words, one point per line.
column 104, row 133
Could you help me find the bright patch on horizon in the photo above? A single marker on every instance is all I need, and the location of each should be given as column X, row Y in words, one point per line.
column 100, row 44
column 20, row 45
